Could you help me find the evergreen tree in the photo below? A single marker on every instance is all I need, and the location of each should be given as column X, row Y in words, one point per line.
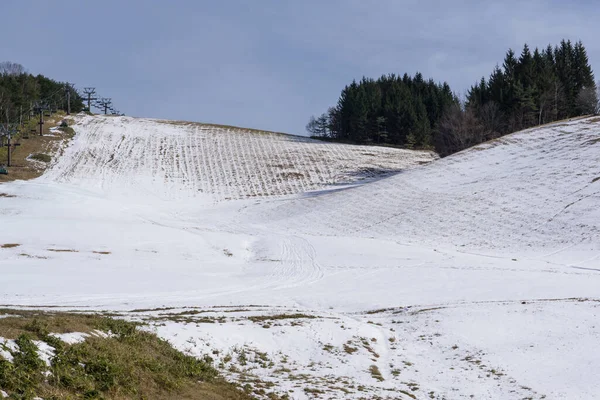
column 535, row 88
column 19, row 90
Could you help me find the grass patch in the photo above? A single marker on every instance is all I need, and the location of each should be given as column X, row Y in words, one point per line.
column 30, row 256
column 68, row 131
column 262, row 318
column 31, row 143
column 41, row 157
column 7, row 195
column 412, row 396
column 129, row 364
column 101, row 252
column 313, row 391
column 10, row 245
column 63, row 250
column 328, row 348
column 225, row 127
column 376, row 373
column 350, row 349
column 596, row 179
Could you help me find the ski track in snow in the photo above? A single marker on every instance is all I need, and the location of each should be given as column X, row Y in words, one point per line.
column 474, row 276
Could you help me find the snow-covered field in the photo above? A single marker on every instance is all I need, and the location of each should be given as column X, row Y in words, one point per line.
column 308, row 268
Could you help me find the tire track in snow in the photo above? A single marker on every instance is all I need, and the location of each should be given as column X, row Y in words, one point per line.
column 298, row 265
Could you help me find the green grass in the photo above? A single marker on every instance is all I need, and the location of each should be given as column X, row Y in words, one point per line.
column 41, row 157
column 129, row 364
column 68, row 130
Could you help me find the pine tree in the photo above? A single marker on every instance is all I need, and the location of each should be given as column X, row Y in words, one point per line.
column 510, row 67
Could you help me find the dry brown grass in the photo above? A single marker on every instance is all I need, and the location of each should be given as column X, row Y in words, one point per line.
column 376, row 373
column 30, row 256
column 63, row 250
column 262, row 318
column 23, row 169
column 226, row 127
column 18, row 322
column 10, row 245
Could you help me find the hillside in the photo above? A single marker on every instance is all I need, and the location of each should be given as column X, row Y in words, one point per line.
column 185, row 160
column 472, row 276
column 536, row 189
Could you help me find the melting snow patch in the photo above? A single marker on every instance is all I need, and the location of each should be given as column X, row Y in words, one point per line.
column 45, row 351
column 7, row 346
column 78, row 337
column 71, row 338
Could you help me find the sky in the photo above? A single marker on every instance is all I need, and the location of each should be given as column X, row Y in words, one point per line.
column 271, row 64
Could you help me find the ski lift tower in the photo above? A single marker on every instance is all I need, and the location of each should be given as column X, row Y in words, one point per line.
column 7, row 132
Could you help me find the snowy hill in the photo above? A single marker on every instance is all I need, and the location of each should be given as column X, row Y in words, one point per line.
column 535, row 189
column 181, row 160
column 473, row 276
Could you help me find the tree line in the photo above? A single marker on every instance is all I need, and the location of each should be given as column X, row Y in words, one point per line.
column 390, row 110
column 20, row 91
column 531, row 89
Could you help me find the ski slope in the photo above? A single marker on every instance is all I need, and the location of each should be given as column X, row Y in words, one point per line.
column 535, row 189
column 174, row 160
column 312, row 269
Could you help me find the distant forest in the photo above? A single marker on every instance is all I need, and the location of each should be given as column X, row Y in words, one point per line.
column 21, row 91
column 528, row 90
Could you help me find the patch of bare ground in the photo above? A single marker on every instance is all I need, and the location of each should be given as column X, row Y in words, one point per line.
column 30, row 256
column 262, row 318
column 63, row 250
column 30, row 159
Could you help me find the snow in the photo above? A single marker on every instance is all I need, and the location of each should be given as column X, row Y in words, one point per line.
column 45, row 351
column 173, row 160
column 474, row 275
column 71, row 337
column 7, row 346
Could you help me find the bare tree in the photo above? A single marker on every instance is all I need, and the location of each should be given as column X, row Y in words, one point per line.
column 459, row 129
column 312, row 127
column 491, row 119
column 11, row 68
column 587, row 100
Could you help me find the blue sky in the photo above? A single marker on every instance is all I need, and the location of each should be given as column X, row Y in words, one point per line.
column 271, row 64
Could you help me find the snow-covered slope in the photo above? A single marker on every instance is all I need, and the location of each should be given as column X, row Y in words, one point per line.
column 175, row 160
column 474, row 276
column 531, row 190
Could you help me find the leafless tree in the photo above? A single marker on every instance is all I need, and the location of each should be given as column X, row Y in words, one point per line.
column 491, row 119
column 460, row 129
column 11, row 68
column 587, row 100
